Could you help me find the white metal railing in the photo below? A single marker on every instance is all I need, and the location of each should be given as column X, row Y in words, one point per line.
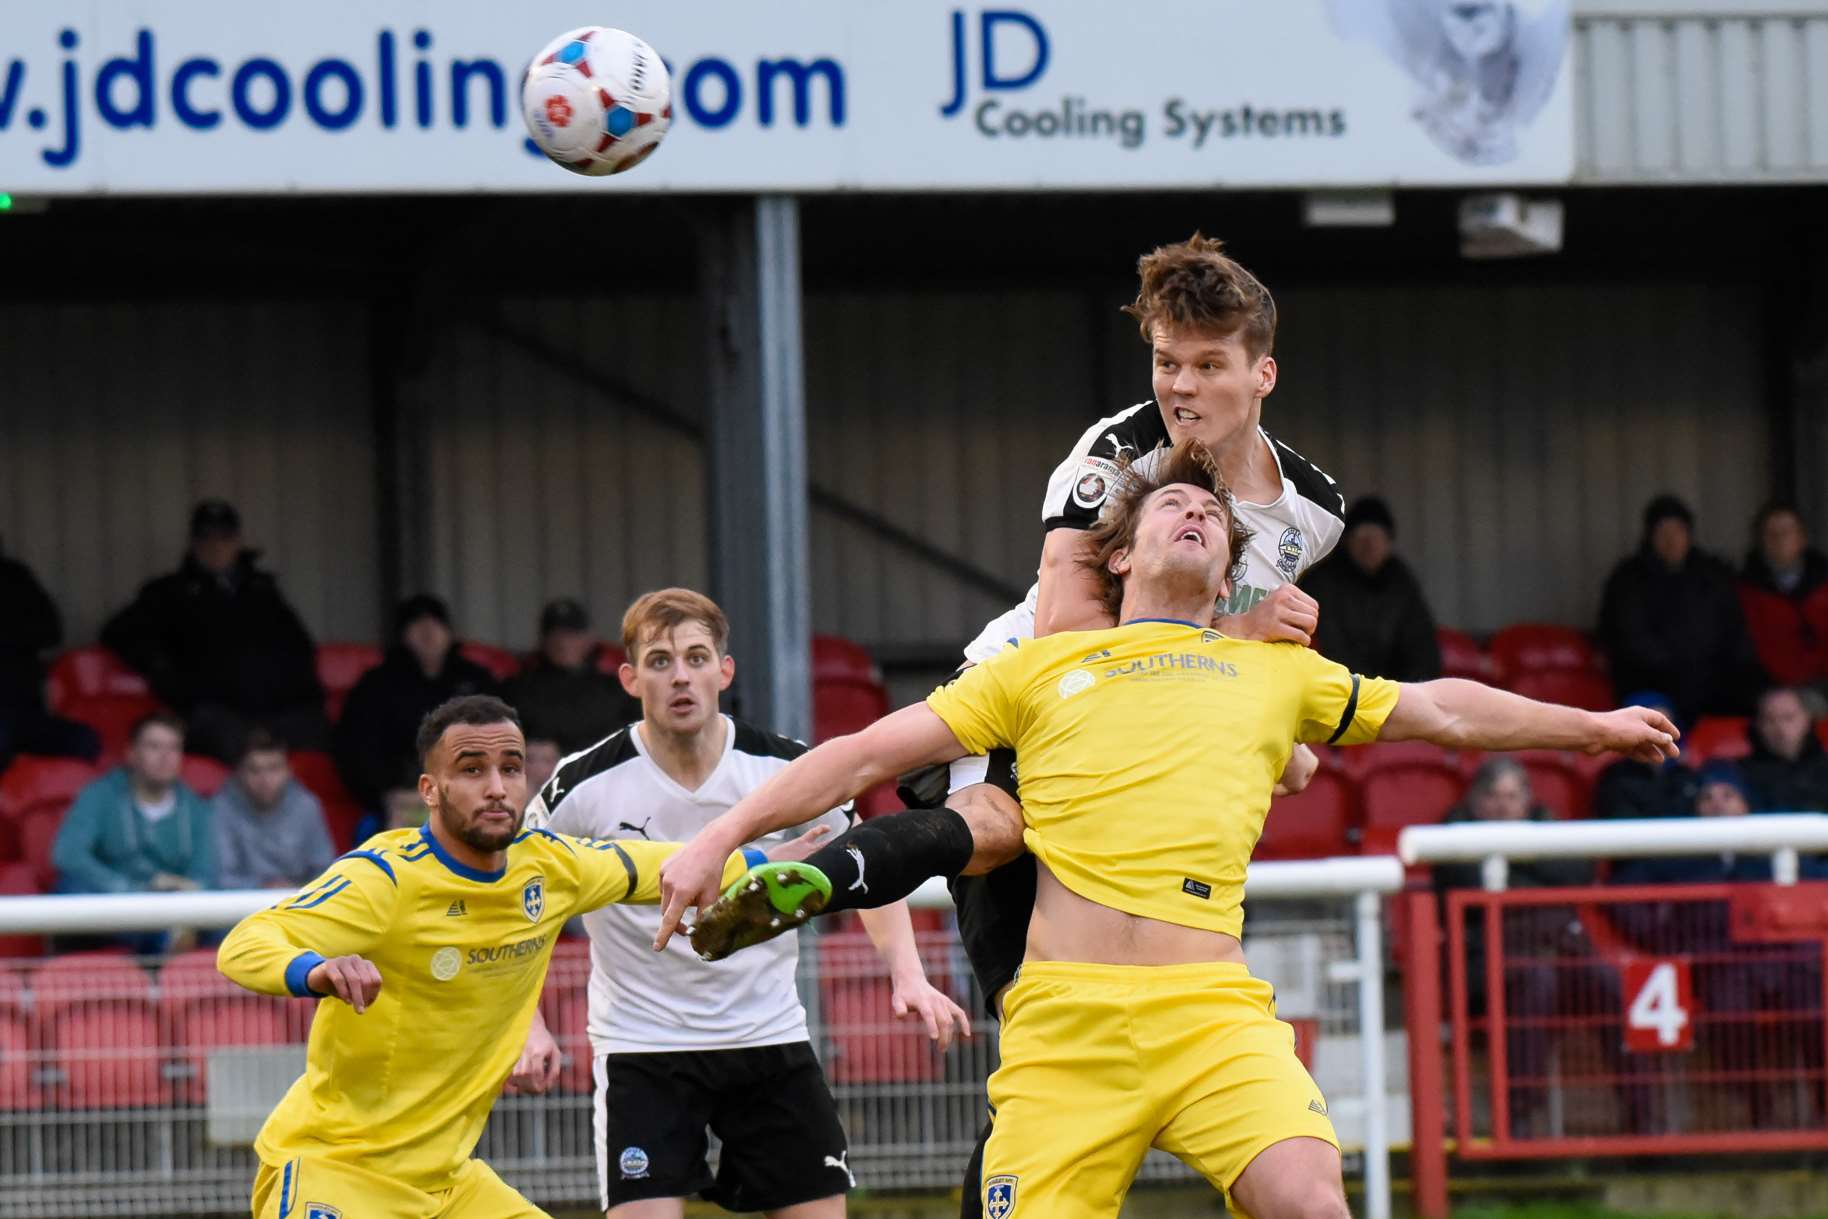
column 1493, row 844
column 1362, row 880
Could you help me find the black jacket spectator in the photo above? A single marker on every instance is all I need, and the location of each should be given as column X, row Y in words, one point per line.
column 561, row 695
column 1671, row 621
column 1373, row 617
column 1787, row 770
column 219, row 642
column 375, row 737
column 29, row 626
column 1636, row 790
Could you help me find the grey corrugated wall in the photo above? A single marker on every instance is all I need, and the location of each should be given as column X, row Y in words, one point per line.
column 115, row 418
column 1701, row 91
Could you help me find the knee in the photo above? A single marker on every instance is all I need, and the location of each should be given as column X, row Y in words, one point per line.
column 996, row 825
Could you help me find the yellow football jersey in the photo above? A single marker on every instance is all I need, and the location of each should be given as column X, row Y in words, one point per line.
column 1145, row 754
column 404, row 1088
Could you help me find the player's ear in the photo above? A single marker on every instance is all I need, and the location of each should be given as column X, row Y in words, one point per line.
column 428, row 792
column 625, row 673
column 726, row 668
column 1119, row 563
column 1266, row 376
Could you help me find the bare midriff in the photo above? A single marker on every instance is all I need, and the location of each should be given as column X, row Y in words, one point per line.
column 1067, row 927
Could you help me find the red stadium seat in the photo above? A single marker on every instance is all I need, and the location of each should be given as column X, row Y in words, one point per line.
column 1717, row 736
column 18, row 1062
column 95, row 686
column 842, row 705
column 1559, row 787
column 107, row 1055
column 833, row 656
column 33, row 782
column 37, row 836
column 500, row 662
column 1312, row 824
column 565, row 1005
column 91, row 672
column 205, row 776
column 1573, row 687
column 1357, row 761
column 1404, row 794
column 1461, row 656
column 240, row 1019
column 339, row 667
column 18, row 880
column 1530, row 646
column 610, row 658
column 318, row 774
column 80, row 978
column 867, row 1044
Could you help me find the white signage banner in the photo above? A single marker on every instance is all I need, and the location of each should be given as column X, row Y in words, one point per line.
column 251, row 96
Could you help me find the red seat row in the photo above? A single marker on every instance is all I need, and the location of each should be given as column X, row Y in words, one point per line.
column 97, row 1031
column 1539, row 660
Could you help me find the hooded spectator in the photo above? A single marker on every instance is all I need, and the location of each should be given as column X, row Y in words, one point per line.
column 1373, row 617
column 374, row 738
column 219, row 642
column 29, row 626
column 1720, row 791
column 1670, row 620
column 561, row 695
column 1783, row 590
column 270, row 831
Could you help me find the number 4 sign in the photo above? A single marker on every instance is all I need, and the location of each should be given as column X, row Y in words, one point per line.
column 1659, row 1007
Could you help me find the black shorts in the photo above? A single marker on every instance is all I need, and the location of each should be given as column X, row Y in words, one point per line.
column 782, row 1144
column 993, row 909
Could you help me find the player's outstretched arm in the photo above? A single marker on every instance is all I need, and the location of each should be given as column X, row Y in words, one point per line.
column 1067, row 597
column 1463, row 714
column 815, row 781
column 313, row 942
column 891, row 930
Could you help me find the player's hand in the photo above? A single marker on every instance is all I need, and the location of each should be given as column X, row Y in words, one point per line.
column 690, row 878
column 915, row 998
column 1637, row 732
column 796, row 849
column 352, row 979
column 1286, row 614
column 538, row 1067
column 1302, row 763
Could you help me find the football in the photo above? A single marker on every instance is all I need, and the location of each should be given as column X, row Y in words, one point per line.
column 597, row 100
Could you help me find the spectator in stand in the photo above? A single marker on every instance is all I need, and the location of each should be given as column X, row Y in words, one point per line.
column 561, row 696
column 1373, row 617
column 218, row 642
column 29, row 625
column 1670, row 620
column 1787, row 770
column 139, row 829
column 1629, row 789
column 1783, row 590
column 1540, row 942
column 270, row 831
column 543, row 758
column 374, row 739
column 1720, row 791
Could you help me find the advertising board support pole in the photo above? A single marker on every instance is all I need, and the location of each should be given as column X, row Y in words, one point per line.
column 749, row 286
column 1422, row 1016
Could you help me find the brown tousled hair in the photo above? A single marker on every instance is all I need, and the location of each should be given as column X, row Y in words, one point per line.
column 1188, row 462
column 1195, row 284
column 660, row 611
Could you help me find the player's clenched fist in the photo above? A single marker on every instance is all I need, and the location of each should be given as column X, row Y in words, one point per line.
column 354, row 980
column 1637, row 732
column 1286, row 614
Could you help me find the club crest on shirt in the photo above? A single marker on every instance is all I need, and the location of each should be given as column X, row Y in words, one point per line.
column 1000, row 1196
column 1075, row 682
column 317, row 1210
column 533, row 898
column 1288, row 552
column 1096, row 476
column 633, row 1163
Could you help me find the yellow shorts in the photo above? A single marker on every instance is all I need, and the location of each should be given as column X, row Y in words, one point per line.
column 1100, row 1062
column 312, row 1187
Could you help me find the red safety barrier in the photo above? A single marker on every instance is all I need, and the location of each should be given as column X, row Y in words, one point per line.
column 1638, row 1020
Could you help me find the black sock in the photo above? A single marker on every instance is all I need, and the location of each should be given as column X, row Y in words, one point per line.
column 880, row 861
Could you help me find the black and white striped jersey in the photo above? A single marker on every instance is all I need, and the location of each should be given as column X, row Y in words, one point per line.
column 641, row 1000
column 1288, row 535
